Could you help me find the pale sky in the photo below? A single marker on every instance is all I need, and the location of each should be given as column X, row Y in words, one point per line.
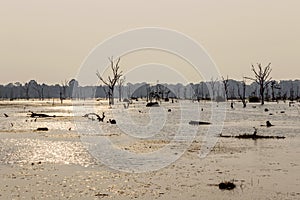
column 48, row 40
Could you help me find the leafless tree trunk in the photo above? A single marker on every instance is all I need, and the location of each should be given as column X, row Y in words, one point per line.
column 112, row 80
column 62, row 92
column 242, row 94
column 26, row 88
column 226, row 86
column 262, row 78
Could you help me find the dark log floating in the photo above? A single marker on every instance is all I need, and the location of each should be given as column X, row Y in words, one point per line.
column 34, row 115
column 152, row 104
column 252, row 136
column 198, row 123
column 42, row 129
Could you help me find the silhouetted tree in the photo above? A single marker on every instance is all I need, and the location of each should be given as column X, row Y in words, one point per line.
column 63, row 90
column 112, row 80
column 262, row 78
column 226, row 86
column 26, row 90
column 242, row 92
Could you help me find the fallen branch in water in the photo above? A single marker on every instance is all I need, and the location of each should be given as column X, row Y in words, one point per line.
column 42, row 129
column 90, row 116
column 34, row 115
column 253, row 136
column 198, row 123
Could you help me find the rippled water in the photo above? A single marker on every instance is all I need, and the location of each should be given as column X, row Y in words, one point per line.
column 20, row 143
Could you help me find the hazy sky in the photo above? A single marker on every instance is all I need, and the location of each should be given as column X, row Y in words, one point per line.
column 48, row 40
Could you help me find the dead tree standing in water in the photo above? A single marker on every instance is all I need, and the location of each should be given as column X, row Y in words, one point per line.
column 242, row 94
column 111, row 80
column 62, row 92
column 262, row 78
column 226, row 85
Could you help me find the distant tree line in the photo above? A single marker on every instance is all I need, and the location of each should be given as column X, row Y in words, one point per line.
column 215, row 89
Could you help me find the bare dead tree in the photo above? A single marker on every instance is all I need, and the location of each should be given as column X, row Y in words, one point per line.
column 242, row 92
column 26, row 89
column 262, row 78
column 63, row 90
column 121, row 81
column 112, row 80
column 226, row 86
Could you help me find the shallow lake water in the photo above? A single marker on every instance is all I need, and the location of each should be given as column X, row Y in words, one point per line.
column 80, row 157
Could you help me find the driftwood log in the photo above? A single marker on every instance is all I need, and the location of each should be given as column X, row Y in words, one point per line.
column 90, row 116
column 35, row 115
column 252, row 136
column 42, row 129
column 198, row 123
column 152, row 104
